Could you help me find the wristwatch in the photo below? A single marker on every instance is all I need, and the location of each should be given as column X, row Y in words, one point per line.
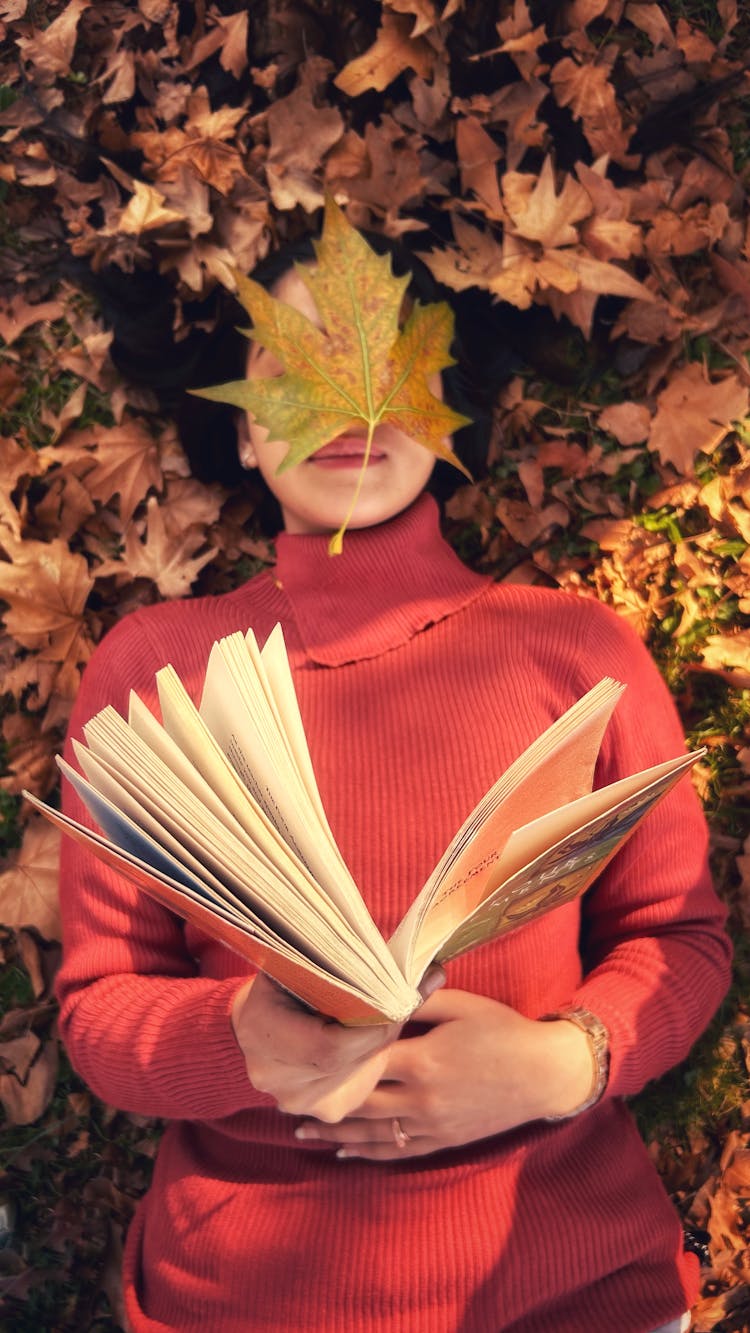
column 599, row 1042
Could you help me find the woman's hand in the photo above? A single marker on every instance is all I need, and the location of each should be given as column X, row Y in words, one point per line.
column 310, row 1064
column 481, row 1069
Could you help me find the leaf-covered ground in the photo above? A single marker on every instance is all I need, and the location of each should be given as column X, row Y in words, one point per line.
column 586, row 163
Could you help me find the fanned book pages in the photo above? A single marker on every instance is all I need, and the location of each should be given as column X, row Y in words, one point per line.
column 215, row 812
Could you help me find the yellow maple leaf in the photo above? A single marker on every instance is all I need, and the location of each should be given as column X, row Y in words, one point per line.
column 359, row 367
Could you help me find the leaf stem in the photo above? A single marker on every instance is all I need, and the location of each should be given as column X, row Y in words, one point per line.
column 335, row 545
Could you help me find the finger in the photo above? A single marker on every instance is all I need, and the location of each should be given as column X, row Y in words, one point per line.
column 433, row 979
column 354, row 1131
column 443, row 1005
column 389, row 1152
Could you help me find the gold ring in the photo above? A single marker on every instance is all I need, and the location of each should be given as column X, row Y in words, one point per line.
column 400, row 1136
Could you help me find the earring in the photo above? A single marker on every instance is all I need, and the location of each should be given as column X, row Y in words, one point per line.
column 245, row 447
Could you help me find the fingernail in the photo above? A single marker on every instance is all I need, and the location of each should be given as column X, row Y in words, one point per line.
column 346, row 1152
column 305, row 1132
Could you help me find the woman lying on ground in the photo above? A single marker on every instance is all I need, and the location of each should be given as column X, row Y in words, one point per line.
column 484, row 1176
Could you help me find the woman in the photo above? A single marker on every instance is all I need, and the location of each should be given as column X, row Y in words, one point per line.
column 477, row 1172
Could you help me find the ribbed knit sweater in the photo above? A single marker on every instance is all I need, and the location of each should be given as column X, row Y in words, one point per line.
column 419, row 682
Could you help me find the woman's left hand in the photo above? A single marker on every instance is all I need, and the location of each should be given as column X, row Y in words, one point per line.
column 482, row 1068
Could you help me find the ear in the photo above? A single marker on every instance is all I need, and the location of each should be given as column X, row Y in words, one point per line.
column 245, row 446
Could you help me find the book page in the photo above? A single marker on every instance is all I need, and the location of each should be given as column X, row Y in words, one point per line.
column 239, row 709
column 321, row 991
column 557, row 768
column 291, row 901
column 561, row 868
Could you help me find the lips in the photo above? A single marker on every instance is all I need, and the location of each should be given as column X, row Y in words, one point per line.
column 347, row 447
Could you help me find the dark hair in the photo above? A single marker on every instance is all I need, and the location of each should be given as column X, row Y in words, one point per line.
column 141, row 307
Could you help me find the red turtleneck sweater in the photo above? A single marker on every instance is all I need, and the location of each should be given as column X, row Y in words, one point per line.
column 419, row 682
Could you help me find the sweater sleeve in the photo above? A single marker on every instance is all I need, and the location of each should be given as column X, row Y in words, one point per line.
column 141, row 1027
column 653, row 928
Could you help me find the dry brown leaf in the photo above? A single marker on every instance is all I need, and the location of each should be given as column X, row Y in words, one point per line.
column 526, row 524
column 191, row 504
column 24, row 1101
column 30, row 756
column 167, row 559
column 694, row 415
column 729, row 654
column 50, row 51
column 233, row 53
column 28, row 889
column 423, row 12
column 19, row 314
column 652, row 20
column 588, row 90
column 538, row 213
column 116, row 460
column 392, row 175
column 477, row 155
column 46, row 587
column 521, row 40
column 146, row 211
column 393, row 51
column 301, row 134
column 629, row 422
column 65, row 508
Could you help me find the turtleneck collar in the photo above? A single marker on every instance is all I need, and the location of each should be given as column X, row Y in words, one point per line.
column 389, row 582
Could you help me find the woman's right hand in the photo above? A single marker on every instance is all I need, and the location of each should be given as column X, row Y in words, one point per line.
column 311, row 1065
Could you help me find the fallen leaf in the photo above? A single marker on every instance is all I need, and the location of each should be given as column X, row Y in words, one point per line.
column 729, row 653
column 46, row 587
column 693, row 415
column 116, row 460
column 50, row 51
column 30, row 756
column 393, row 51
column 19, row 314
column 629, row 422
column 301, row 134
column 29, row 888
column 168, row 559
column 25, row 1100
column 146, row 211
column 538, row 212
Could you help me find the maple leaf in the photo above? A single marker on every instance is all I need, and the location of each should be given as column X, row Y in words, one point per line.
column 51, row 51
column 693, row 415
column 28, row 888
column 111, row 460
column 146, row 211
column 46, row 587
column 167, row 558
column 358, row 367
column 395, row 49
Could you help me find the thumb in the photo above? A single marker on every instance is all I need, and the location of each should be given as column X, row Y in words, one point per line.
column 432, row 980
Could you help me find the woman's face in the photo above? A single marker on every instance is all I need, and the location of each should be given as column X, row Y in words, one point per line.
column 315, row 495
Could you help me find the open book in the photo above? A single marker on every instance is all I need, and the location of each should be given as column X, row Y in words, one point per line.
column 215, row 812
